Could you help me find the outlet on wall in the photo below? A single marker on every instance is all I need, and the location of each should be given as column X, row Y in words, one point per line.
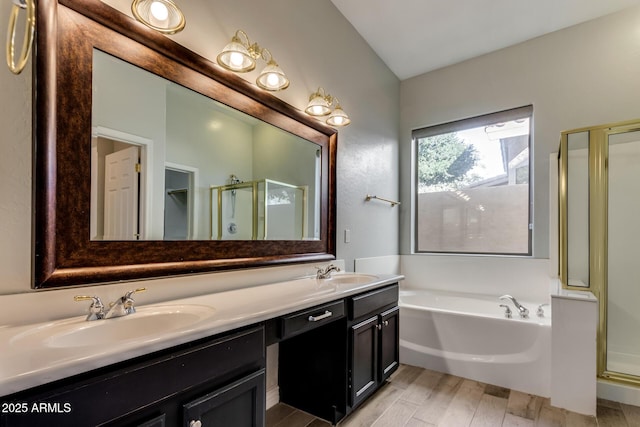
column 347, row 235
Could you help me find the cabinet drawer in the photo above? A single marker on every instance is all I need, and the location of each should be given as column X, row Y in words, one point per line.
column 364, row 304
column 311, row 318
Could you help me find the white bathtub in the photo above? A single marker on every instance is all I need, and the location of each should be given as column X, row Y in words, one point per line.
column 467, row 335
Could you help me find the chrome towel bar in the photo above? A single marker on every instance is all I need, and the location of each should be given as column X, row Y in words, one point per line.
column 369, row 197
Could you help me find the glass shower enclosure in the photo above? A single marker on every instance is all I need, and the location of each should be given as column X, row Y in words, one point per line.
column 259, row 210
column 599, row 171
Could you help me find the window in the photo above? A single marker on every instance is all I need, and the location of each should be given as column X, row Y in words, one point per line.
column 472, row 185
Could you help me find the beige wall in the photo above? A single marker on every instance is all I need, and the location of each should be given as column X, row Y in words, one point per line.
column 315, row 46
column 584, row 75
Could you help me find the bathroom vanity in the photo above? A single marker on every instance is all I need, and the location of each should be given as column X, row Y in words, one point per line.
column 338, row 344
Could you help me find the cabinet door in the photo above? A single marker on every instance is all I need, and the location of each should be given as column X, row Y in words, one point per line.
column 364, row 360
column 240, row 404
column 389, row 342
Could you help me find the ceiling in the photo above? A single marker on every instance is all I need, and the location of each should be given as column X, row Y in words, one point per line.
column 416, row 36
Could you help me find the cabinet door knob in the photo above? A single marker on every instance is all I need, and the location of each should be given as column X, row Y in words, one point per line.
column 386, row 323
column 379, row 326
column 195, row 423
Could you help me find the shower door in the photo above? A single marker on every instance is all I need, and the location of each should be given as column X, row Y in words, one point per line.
column 599, row 173
column 623, row 281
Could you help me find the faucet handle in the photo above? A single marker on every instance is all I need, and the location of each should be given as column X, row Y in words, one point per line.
column 540, row 310
column 135, row 291
column 507, row 311
column 96, row 309
column 127, row 301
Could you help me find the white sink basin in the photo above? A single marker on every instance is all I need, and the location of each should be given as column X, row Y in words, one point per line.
column 352, row 279
column 145, row 323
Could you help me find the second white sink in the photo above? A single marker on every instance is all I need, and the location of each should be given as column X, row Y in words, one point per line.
column 352, row 278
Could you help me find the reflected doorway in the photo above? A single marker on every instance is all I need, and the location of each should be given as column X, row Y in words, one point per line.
column 179, row 202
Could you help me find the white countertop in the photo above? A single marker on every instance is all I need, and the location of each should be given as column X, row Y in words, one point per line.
column 27, row 363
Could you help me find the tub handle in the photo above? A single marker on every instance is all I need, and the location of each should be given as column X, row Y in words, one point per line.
column 540, row 310
column 320, row 317
column 507, row 311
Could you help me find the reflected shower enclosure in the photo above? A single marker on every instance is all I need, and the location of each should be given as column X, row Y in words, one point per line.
column 260, row 210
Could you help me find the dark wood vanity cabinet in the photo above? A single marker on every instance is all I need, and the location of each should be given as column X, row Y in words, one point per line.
column 373, row 341
column 218, row 381
column 330, row 370
column 331, row 358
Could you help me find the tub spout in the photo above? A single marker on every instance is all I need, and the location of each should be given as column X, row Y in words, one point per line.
column 524, row 312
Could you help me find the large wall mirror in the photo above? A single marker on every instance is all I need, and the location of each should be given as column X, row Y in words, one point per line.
column 151, row 161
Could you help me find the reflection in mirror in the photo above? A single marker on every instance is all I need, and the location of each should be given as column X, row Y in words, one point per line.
column 578, row 209
column 159, row 150
column 259, row 210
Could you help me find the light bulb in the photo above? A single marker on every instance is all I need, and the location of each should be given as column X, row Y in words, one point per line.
column 272, row 80
column 338, row 120
column 236, row 59
column 316, row 109
column 159, row 11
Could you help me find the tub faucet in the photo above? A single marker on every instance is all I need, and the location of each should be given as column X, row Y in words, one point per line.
column 524, row 312
column 325, row 273
column 123, row 305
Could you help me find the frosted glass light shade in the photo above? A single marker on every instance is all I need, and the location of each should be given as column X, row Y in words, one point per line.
column 163, row 16
column 236, row 57
column 272, row 78
column 338, row 117
column 318, row 106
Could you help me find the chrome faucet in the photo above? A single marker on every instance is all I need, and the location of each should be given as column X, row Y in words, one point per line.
column 325, row 273
column 123, row 305
column 96, row 309
column 524, row 312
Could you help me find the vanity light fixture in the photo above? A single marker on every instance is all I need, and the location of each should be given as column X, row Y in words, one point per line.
column 338, row 117
column 27, row 42
column 163, row 16
column 240, row 55
column 320, row 104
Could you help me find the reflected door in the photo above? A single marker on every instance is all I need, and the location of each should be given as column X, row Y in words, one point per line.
column 121, row 196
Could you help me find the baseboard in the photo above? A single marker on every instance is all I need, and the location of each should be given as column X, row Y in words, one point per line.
column 273, row 397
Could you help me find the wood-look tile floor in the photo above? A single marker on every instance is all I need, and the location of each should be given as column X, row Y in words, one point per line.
column 416, row 397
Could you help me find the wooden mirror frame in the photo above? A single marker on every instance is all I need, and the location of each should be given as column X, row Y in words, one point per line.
column 67, row 32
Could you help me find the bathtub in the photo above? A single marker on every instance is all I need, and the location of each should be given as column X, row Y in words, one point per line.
column 468, row 335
